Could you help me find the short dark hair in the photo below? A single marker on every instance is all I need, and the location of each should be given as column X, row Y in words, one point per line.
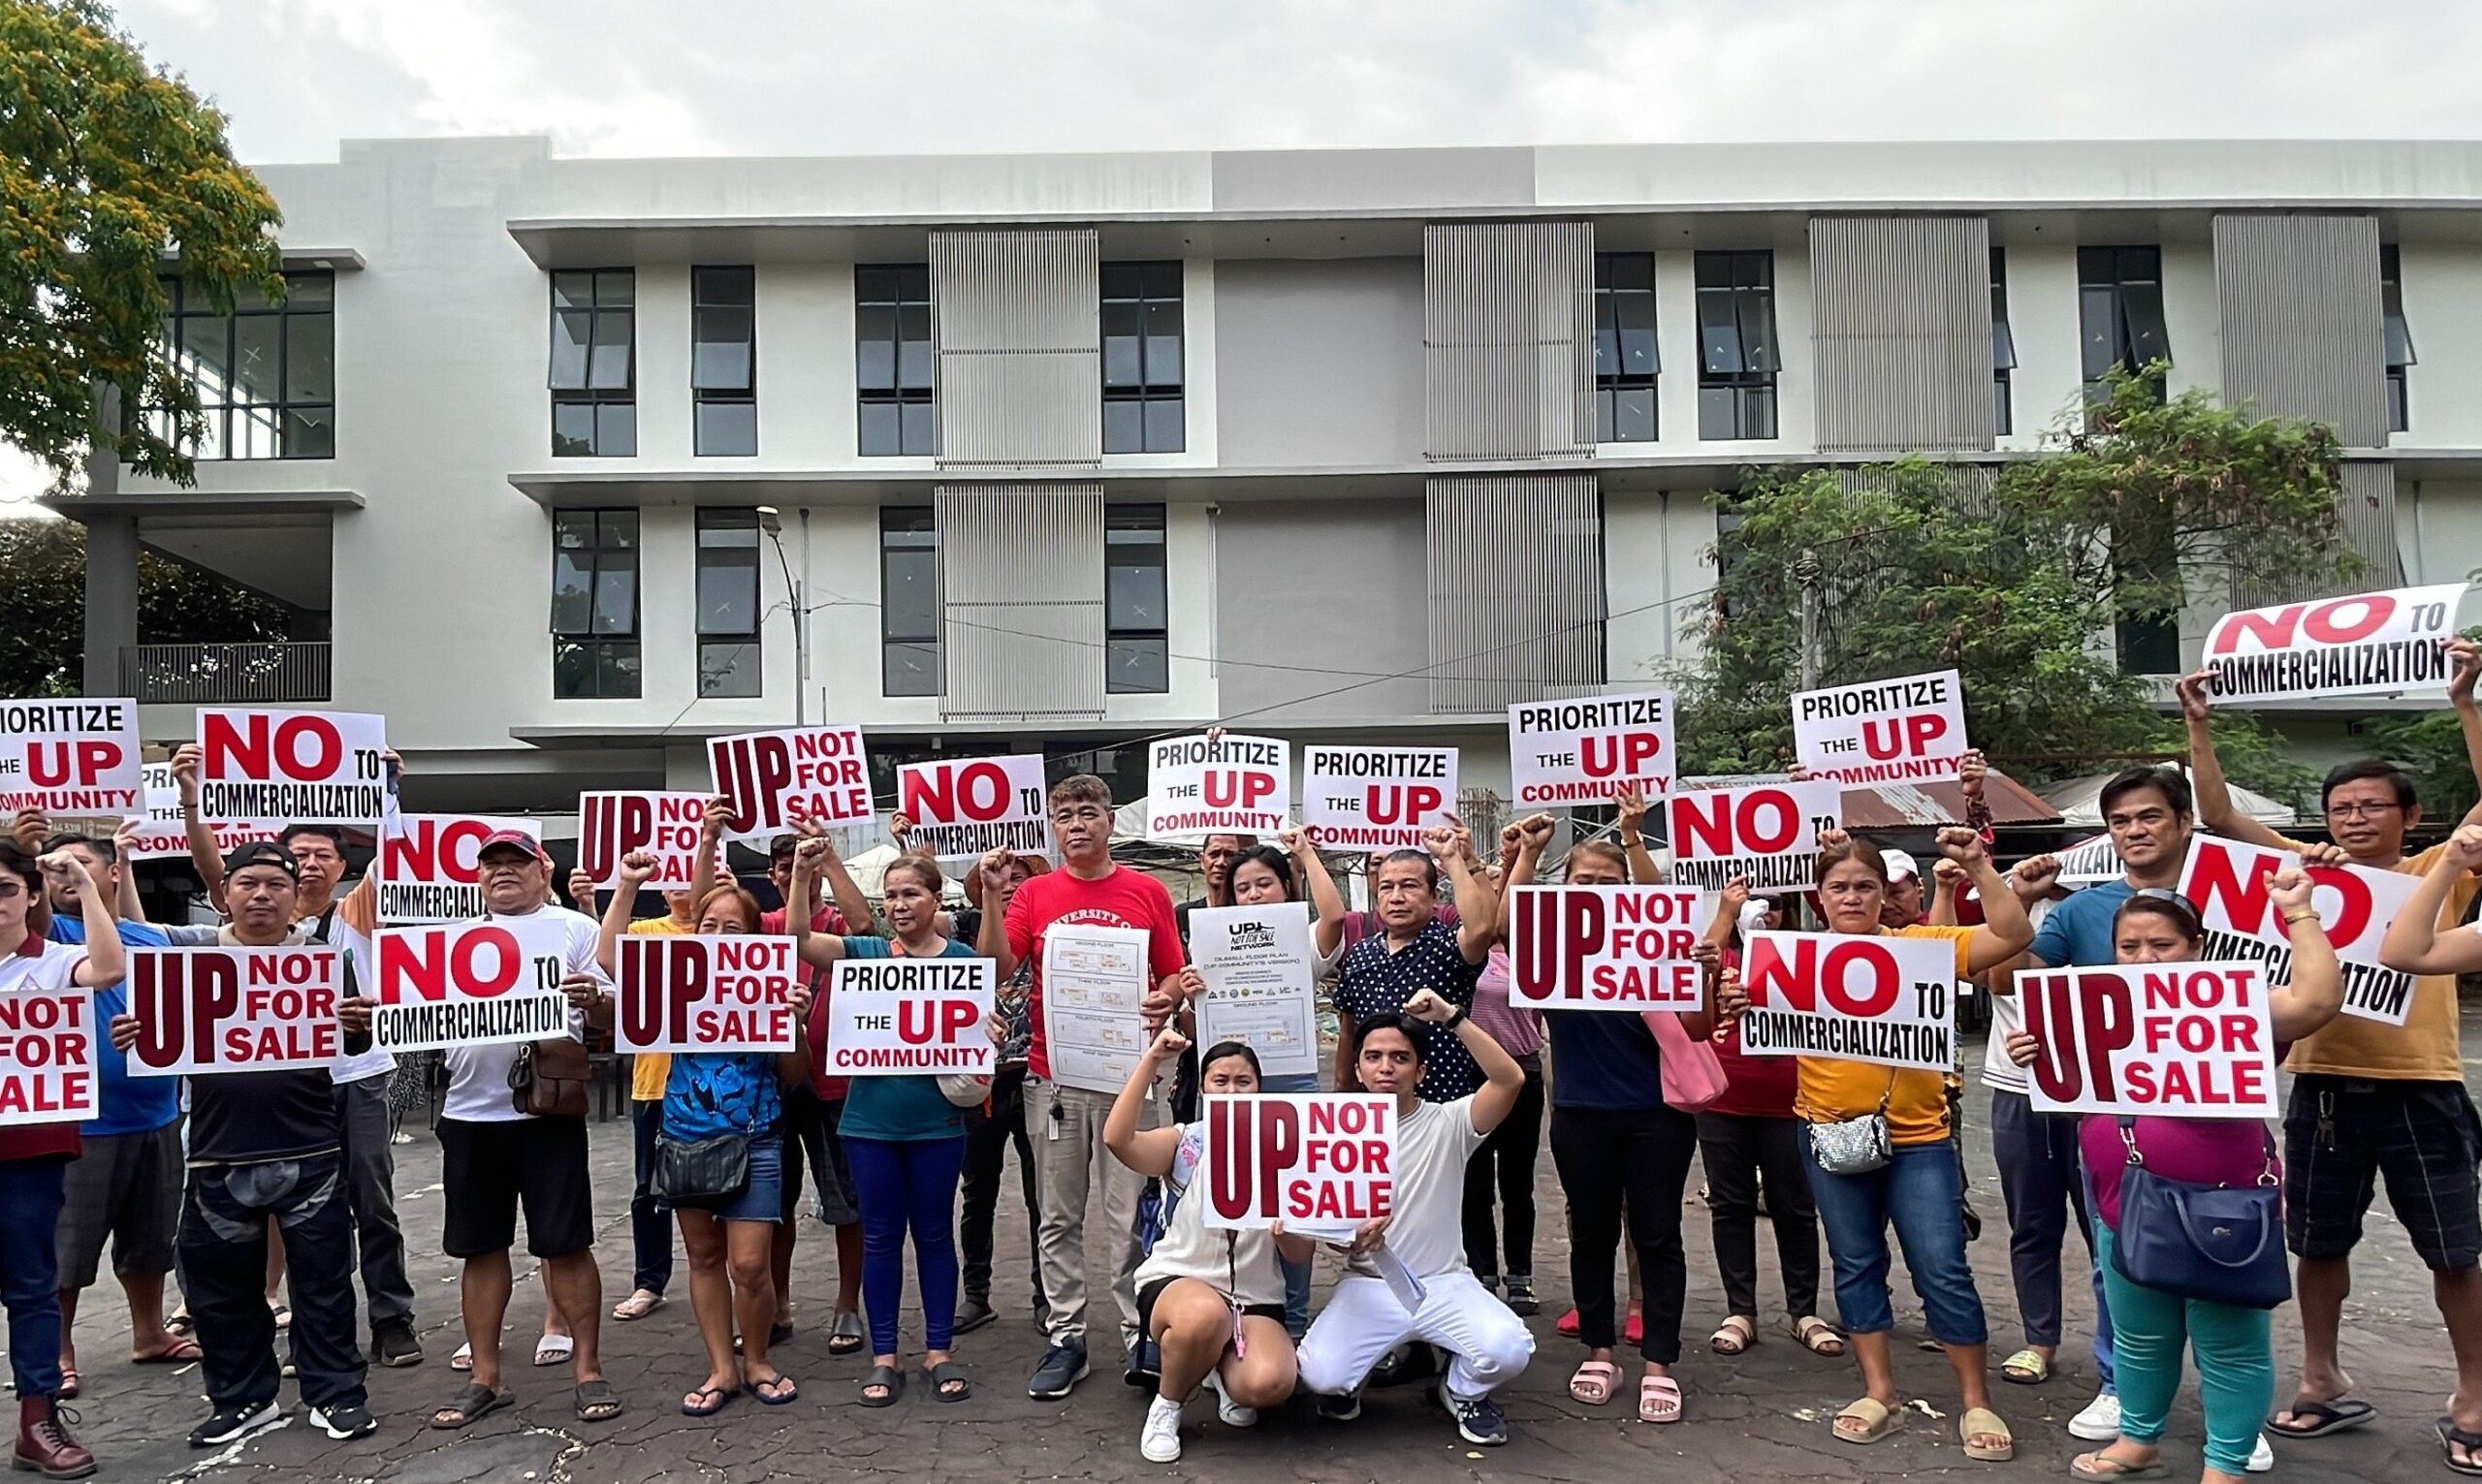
column 15, row 861
column 1081, row 788
column 1390, row 1020
column 1421, row 858
column 1223, row 1049
column 2368, row 768
column 2164, row 780
column 102, row 847
column 332, row 833
column 1274, row 860
column 2170, row 905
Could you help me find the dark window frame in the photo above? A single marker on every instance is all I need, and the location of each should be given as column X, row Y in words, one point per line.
column 2398, row 345
column 605, row 655
column 918, row 525
column 739, row 650
column 2126, row 285
column 1154, row 408
column 1622, row 378
column 2003, row 346
column 711, row 301
column 1736, row 376
column 1138, row 657
column 216, row 394
column 903, row 289
column 617, row 404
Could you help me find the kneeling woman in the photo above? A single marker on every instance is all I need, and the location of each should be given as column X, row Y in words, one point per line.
column 1212, row 1301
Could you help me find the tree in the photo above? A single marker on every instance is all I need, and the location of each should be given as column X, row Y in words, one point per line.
column 107, row 166
column 2016, row 579
column 43, row 603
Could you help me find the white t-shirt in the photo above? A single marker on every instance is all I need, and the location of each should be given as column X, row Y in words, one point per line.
column 2007, row 1019
column 51, row 971
column 1433, row 1143
column 478, row 1075
column 349, row 1067
column 1240, row 1265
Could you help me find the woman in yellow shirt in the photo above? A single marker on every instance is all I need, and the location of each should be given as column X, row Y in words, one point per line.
column 1919, row 1190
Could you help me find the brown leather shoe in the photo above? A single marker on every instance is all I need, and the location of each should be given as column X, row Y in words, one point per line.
column 44, row 1445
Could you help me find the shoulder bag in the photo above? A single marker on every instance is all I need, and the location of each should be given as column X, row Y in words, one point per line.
column 2215, row 1243
column 1693, row 1075
column 549, row 1077
column 1856, row 1146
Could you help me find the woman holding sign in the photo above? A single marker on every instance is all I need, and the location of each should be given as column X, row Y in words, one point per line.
column 1210, row 1300
column 2234, row 1344
column 1916, row 1184
column 905, row 1139
column 711, row 1096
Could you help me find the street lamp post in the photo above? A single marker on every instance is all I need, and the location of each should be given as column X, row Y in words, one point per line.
column 772, row 523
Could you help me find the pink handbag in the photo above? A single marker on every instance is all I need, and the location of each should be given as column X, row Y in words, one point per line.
column 1694, row 1076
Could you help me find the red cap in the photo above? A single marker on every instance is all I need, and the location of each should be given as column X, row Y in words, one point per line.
column 518, row 837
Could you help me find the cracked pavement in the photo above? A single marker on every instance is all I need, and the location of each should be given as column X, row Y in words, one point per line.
column 1764, row 1414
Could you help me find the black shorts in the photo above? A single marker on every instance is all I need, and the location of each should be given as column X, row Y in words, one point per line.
column 2344, row 1134
column 490, row 1168
column 811, row 1139
column 1154, row 1289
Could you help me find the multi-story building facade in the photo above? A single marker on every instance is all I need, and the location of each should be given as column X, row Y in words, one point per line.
column 566, row 464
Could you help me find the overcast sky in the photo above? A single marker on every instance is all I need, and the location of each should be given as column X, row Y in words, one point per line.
column 799, row 77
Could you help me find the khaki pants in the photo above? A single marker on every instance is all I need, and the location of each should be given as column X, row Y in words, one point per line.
column 1075, row 1175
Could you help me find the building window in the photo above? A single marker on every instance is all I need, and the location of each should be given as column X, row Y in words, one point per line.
column 1625, row 359
column 728, row 603
column 723, row 358
column 909, row 601
column 594, row 365
column 2400, row 336
column 2003, row 347
column 1735, row 345
column 892, row 365
column 2120, row 306
column 1142, row 359
column 2147, row 643
column 264, row 373
column 1135, row 630
column 595, row 605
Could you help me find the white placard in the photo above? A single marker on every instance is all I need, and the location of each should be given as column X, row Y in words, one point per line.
column 469, row 984
column 1322, row 1163
column 910, row 1018
column 428, row 872
column 965, row 808
column 2368, row 644
column 1906, row 730
column 1591, row 751
column 1764, row 834
column 721, row 992
column 779, row 780
column 1260, row 969
column 1376, row 798
column 48, row 1058
column 1624, row 948
column 2185, row 1040
column 2226, row 881
column 1889, row 1000
column 1197, row 786
column 1094, row 990
column 70, row 757
column 207, row 1010
column 612, row 826
column 284, row 767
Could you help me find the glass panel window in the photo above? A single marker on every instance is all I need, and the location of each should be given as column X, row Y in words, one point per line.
column 1142, row 382
column 892, row 365
column 264, row 373
column 594, row 373
column 595, row 605
column 1625, row 361
column 728, row 615
column 2399, row 334
column 2003, row 346
column 2119, row 299
column 723, row 359
column 1136, row 626
column 908, row 601
column 1737, row 347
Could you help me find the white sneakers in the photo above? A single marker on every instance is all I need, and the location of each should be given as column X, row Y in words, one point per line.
column 1230, row 1414
column 2100, row 1422
column 1161, row 1442
column 2261, row 1458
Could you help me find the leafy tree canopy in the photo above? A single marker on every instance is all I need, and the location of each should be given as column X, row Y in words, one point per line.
column 43, row 606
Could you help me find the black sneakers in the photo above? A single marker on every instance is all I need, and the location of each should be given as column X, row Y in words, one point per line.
column 394, row 1345
column 230, row 1424
column 344, row 1421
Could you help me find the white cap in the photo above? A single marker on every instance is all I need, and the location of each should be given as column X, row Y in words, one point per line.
column 1900, row 864
column 1754, row 913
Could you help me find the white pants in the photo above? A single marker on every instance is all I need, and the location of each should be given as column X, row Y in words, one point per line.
column 1487, row 1345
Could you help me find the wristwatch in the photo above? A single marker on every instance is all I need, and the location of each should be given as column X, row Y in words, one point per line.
column 1456, row 1017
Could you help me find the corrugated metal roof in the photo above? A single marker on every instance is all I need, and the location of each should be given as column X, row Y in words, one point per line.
column 1921, row 805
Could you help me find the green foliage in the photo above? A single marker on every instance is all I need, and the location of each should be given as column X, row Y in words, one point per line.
column 106, row 167
column 43, row 606
column 2016, row 580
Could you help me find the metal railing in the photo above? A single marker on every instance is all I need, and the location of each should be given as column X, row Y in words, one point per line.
column 224, row 673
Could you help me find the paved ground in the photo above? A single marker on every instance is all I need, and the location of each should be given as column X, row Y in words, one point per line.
column 1764, row 1415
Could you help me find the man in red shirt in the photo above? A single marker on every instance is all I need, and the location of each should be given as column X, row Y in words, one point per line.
column 1071, row 1166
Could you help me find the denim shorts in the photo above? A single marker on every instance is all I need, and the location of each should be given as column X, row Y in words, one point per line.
column 762, row 1197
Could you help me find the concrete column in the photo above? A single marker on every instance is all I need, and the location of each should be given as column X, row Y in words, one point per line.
column 111, row 599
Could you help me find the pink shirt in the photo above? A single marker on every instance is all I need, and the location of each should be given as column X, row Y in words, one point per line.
column 1519, row 1032
column 2202, row 1151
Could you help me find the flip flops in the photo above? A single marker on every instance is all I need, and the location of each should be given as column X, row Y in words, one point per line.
column 2095, row 1469
column 638, row 1305
column 472, row 1403
column 706, row 1401
column 778, row 1390
column 1982, row 1422
column 1593, row 1382
column 2341, row 1415
column 2025, row 1367
column 1875, row 1419
column 2452, row 1438
column 180, row 1353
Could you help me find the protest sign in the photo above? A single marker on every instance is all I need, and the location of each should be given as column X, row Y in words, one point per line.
column 1605, row 947
column 2088, row 862
column 1260, row 976
column 2189, row 1040
column 1321, row 1163
column 778, row 779
column 664, row 825
column 1094, row 982
column 1907, row 730
column 1376, row 798
column 2226, row 881
column 1888, row 1001
column 909, row 1017
column 292, row 766
column 707, row 991
column 1766, row 833
column 70, row 757
column 427, row 871
column 48, row 1054
column 202, row 1011
column 1197, row 786
column 1591, row 751
column 468, row 984
column 162, row 835
column 2366, row 645
column 963, row 808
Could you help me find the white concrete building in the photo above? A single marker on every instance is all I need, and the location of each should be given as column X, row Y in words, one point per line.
column 1070, row 449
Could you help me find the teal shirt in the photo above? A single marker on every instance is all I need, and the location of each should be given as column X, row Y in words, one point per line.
column 900, row 1109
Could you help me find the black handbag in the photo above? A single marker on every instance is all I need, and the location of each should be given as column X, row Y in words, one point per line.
column 699, row 1171
column 2217, row 1244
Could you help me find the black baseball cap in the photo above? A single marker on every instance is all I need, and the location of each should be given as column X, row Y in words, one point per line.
column 262, row 853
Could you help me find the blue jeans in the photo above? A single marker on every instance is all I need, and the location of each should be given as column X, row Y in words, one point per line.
column 30, row 1272
column 2235, row 1354
column 2043, row 1182
column 1922, row 1194
column 909, row 1183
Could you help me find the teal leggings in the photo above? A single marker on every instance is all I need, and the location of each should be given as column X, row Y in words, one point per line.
column 2236, row 1356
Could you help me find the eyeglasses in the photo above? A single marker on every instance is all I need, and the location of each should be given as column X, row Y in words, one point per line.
column 10, row 890
column 2359, row 811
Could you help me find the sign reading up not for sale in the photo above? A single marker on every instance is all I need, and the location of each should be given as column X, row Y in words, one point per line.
column 708, row 992
column 779, row 780
column 2195, row 1040
column 70, row 757
column 1606, row 948
column 202, row 1011
column 613, row 826
column 48, row 1057
column 1316, row 1163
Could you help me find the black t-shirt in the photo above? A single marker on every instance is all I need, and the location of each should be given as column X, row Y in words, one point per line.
column 254, row 1118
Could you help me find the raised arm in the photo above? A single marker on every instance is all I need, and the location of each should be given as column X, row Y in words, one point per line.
column 2316, row 993
column 1149, row 1152
column 125, row 901
column 850, row 902
column 1504, row 1078
column 2413, row 944
column 1947, row 879
column 637, row 869
column 104, row 963
column 203, row 854
column 991, row 876
column 1478, row 906
column 712, row 819
column 818, row 950
column 1643, row 869
column 1521, row 845
column 1327, row 903
column 2205, row 770
column 2005, row 929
